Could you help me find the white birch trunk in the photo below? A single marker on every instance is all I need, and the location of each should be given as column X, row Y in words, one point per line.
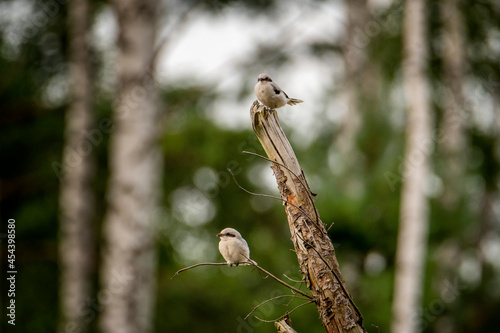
column 413, row 224
column 453, row 141
column 77, row 200
column 354, row 52
column 361, row 84
column 129, row 260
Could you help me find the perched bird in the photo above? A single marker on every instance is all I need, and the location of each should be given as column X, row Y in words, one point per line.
column 234, row 248
column 271, row 95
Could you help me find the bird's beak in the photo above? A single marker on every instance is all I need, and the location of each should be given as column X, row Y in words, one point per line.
column 219, row 235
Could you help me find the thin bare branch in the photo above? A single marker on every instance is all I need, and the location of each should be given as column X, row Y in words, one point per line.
column 253, row 193
column 299, row 306
column 293, row 173
column 297, row 281
column 270, row 300
column 267, row 195
column 197, row 265
column 250, row 263
column 265, row 321
column 288, row 312
column 275, row 162
column 298, row 291
column 331, row 225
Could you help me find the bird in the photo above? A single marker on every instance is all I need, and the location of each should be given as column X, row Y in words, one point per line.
column 234, row 248
column 271, row 95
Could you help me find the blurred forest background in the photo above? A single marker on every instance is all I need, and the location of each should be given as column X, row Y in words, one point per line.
column 344, row 59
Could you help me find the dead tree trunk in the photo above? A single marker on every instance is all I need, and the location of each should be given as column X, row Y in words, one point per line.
column 315, row 252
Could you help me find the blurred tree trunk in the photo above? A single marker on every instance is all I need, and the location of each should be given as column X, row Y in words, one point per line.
column 453, row 140
column 77, row 200
column 413, row 219
column 129, row 260
column 354, row 52
column 361, row 78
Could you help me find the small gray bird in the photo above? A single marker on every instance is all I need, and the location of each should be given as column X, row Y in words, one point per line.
column 234, row 248
column 271, row 95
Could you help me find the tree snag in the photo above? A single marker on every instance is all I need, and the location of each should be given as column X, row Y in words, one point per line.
column 314, row 249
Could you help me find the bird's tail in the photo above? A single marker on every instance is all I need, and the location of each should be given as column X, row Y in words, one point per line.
column 293, row 101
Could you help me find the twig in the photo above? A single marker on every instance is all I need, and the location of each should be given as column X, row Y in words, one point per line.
column 266, row 321
column 267, row 195
column 289, row 170
column 269, row 300
column 199, row 264
column 300, row 305
column 331, row 225
column 297, row 281
column 288, row 312
column 275, row 162
column 253, row 193
column 284, row 283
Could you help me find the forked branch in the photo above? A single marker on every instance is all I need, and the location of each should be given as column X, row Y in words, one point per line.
column 298, row 291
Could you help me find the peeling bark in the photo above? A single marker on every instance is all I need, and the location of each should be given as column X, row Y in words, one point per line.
column 314, row 249
column 284, row 325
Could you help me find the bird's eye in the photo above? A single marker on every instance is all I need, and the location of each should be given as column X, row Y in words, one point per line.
column 230, row 235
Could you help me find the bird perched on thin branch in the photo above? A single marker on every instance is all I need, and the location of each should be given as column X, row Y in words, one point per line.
column 234, row 248
column 271, row 95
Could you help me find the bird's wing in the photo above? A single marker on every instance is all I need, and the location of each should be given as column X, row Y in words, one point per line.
column 277, row 89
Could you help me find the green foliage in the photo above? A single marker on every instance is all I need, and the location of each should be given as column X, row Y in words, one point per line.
column 200, row 197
